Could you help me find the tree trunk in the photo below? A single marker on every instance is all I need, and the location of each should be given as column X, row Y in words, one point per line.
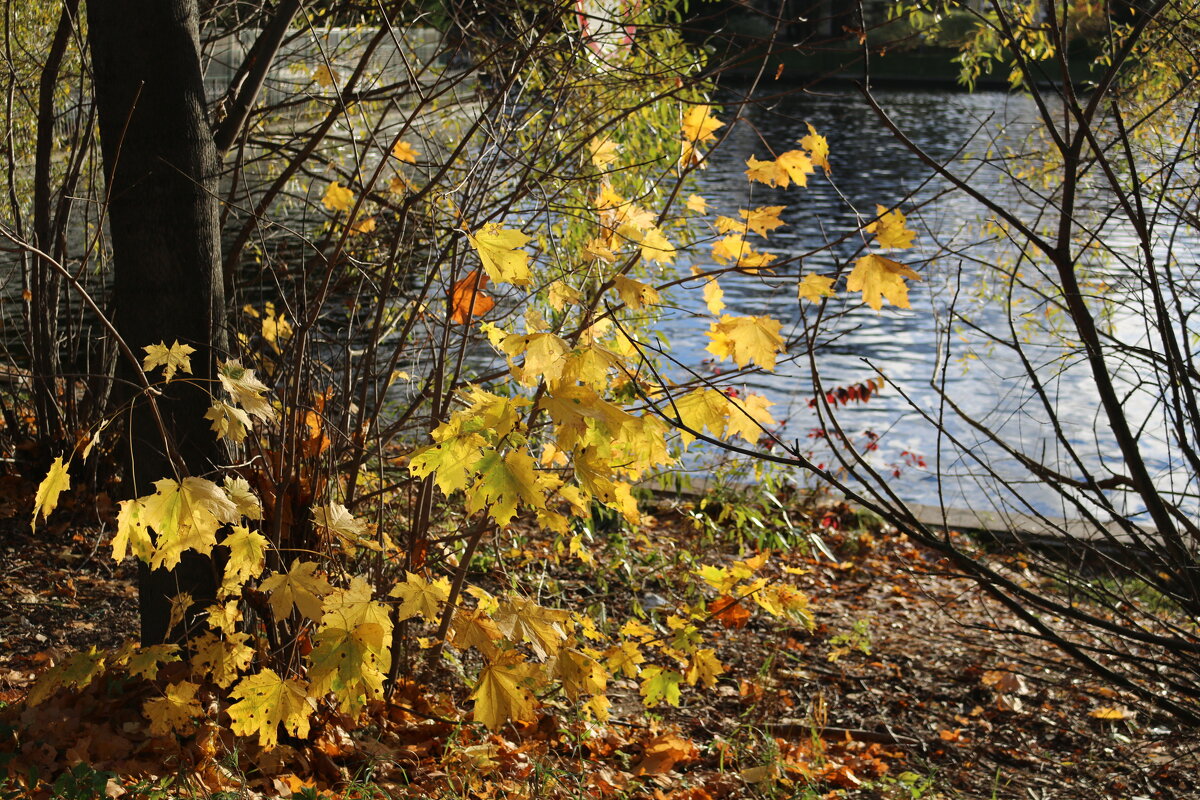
column 161, row 166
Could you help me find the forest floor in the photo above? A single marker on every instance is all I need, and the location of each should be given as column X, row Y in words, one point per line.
column 905, row 688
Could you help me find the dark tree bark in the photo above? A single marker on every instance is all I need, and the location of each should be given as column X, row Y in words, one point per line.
column 161, row 166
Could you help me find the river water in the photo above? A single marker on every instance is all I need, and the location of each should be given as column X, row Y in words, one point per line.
column 909, row 347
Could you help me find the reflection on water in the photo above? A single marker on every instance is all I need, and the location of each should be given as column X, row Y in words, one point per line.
column 871, row 167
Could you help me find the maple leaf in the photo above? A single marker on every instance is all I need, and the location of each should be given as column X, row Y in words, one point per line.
column 635, row 294
column 338, row 520
column 521, row 619
column 817, row 147
column 364, row 225
column 247, row 556
column 468, row 300
column 747, row 340
column 796, row 165
column 733, row 249
column 655, row 247
column 889, row 229
column 696, row 203
column 403, row 151
column 171, row 359
column 626, row 658
column 131, row 533
column 325, row 76
column 714, row 297
column 299, row 586
column 878, row 278
column 502, row 694
column 221, row 657
column 337, row 197
column 245, row 389
column 476, row 629
column 244, row 500
column 700, row 410
column 580, row 674
column 502, row 482
column 749, row 417
column 659, row 685
column 224, row 617
column 767, row 172
column 355, row 605
column 603, row 152
column 351, row 663
column 699, row 125
column 662, row 753
column 420, row 598
column 500, row 253
column 730, row 612
column 144, row 663
column 57, row 481
column 228, row 422
column 264, row 702
column 545, row 357
column 814, row 287
column 175, row 710
column 186, row 515
column 762, row 220
column 78, row 670
column 452, row 462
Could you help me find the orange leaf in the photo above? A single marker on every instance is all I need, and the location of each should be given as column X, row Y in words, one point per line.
column 468, row 300
column 731, row 613
column 663, row 752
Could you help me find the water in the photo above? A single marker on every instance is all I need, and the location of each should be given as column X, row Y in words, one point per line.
column 910, row 347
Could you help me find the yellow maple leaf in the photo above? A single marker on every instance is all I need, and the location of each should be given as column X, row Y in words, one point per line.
column 325, row 76
column 247, row 556
column 57, row 481
column 264, row 702
column 763, row 219
column 796, row 165
column 452, row 462
column 747, row 340
column 503, row 694
column 355, row 605
column 699, row 125
column 337, row 197
column 300, row 586
column 714, row 297
column 704, row 667
column 245, row 389
column 521, row 619
column 625, row 658
column 145, row 661
column 351, row 663
column 186, row 515
column 243, row 498
column 500, row 253
column 222, row 657
column 749, row 417
column 878, row 278
column 580, row 674
column 814, row 287
column 699, row 410
column 171, row 359
column 734, row 249
column 475, row 628
column 502, row 482
column 603, row 152
column 228, row 422
column 696, row 203
column 659, row 685
column 131, row 533
column 768, row 172
column 635, row 294
column 403, row 151
column 420, row 598
column 364, row 225
column 656, row 247
column 77, row 670
column 337, row 519
column 817, row 147
column 175, row 711
column 890, row 231
column 545, row 357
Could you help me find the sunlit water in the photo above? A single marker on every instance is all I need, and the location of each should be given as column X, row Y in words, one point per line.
column 871, row 167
